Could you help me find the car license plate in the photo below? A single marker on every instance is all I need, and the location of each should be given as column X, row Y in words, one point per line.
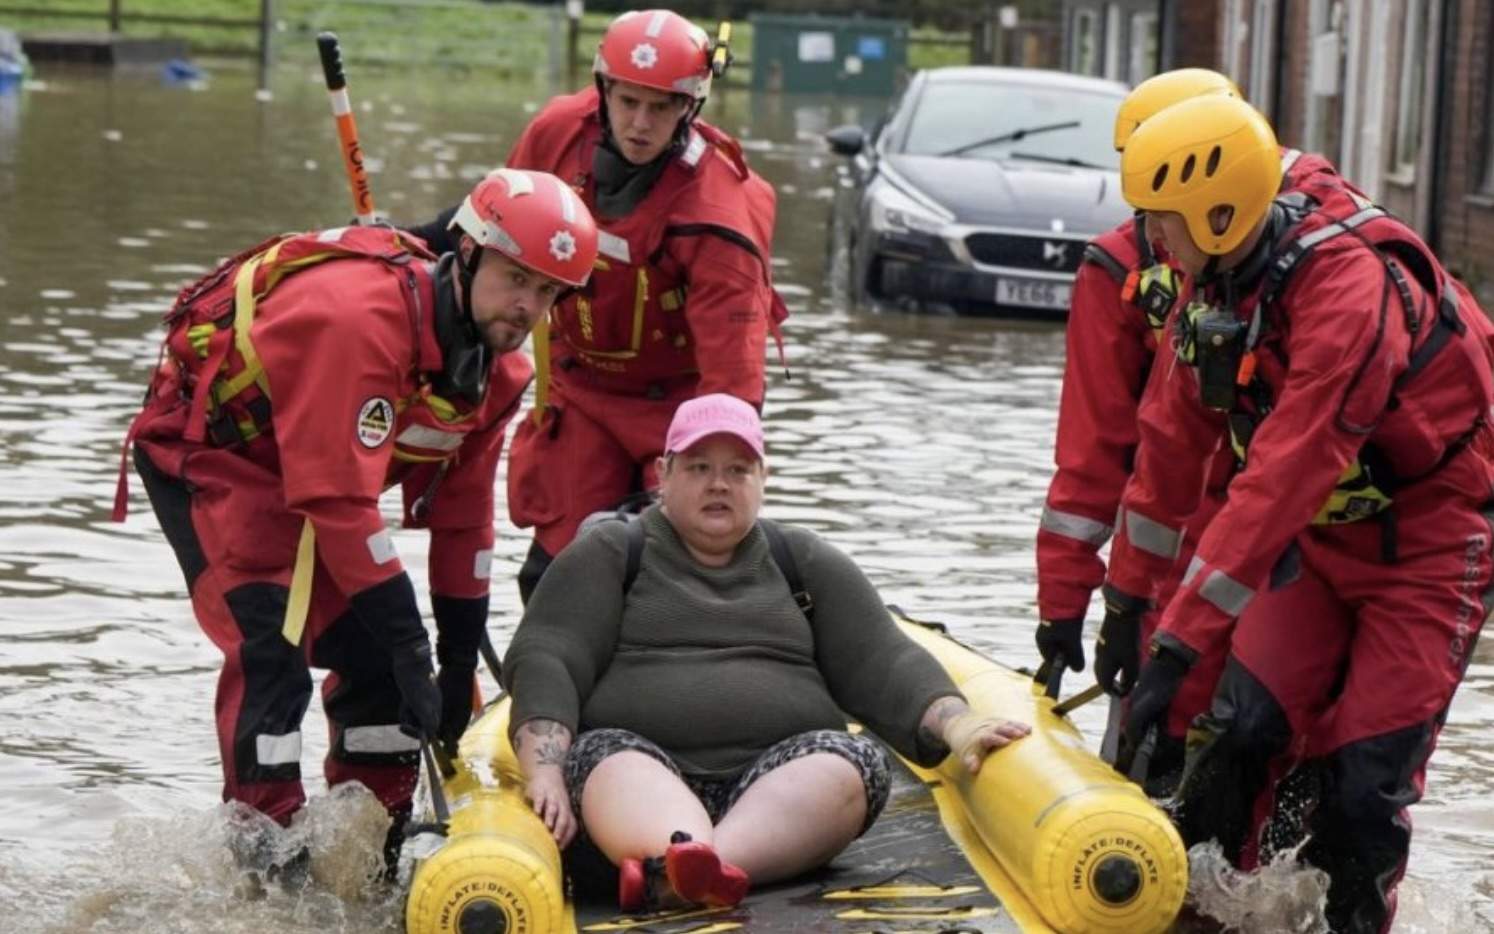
column 1033, row 293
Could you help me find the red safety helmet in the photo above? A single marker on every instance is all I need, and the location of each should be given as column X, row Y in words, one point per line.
column 534, row 219
column 658, row 49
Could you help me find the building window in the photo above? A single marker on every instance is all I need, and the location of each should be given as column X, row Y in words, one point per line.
column 1086, row 46
column 1143, row 63
column 1261, row 35
column 1235, row 32
column 1409, row 98
column 1113, row 41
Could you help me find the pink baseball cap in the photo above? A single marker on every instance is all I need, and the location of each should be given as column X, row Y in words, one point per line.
column 714, row 414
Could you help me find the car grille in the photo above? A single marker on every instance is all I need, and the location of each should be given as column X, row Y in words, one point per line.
column 1049, row 254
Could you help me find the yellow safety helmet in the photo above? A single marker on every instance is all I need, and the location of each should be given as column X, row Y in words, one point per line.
column 1162, row 91
column 1203, row 154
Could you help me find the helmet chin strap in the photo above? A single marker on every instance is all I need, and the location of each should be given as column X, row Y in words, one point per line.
column 466, row 272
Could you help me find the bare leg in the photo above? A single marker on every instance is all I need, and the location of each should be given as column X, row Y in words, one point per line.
column 794, row 818
column 632, row 803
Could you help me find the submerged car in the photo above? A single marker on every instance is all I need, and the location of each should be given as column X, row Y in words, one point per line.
column 979, row 190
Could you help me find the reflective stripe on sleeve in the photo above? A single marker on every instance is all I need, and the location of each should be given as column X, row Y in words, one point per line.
column 1226, row 593
column 1152, row 536
column 1195, row 564
column 1079, row 528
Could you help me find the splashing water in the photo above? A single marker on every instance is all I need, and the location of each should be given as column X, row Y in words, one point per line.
column 179, row 876
column 1281, row 896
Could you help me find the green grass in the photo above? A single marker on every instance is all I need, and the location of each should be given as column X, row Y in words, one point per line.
column 503, row 36
column 508, row 38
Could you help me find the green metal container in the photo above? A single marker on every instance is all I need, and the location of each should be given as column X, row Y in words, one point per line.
column 836, row 54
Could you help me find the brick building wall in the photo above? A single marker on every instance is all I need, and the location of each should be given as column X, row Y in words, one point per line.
column 1196, row 40
column 1465, row 213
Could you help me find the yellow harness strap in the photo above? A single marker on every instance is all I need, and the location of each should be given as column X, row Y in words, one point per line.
column 300, row 589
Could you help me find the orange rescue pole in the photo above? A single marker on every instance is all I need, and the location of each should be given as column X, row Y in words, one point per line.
column 347, row 127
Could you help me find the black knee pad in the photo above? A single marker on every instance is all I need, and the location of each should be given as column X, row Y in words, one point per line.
column 1246, row 713
column 1373, row 778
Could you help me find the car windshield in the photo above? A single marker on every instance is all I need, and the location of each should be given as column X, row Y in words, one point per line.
column 1043, row 123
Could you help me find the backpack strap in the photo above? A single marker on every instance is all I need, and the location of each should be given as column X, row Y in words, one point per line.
column 1102, row 257
column 635, row 552
column 1287, row 259
column 784, row 558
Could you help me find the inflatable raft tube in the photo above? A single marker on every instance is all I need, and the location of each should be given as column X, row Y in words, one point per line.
column 1046, row 838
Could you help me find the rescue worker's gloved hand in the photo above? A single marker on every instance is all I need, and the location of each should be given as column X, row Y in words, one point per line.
column 1155, row 689
column 1118, row 649
column 420, row 699
column 389, row 611
column 1057, row 637
column 460, row 625
column 457, row 696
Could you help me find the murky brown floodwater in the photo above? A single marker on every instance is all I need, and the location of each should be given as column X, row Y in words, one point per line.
column 920, row 445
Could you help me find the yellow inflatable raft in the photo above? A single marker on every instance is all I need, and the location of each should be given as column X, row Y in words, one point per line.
column 1046, row 838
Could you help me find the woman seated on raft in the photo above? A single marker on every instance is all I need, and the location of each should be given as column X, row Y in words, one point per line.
column 711, row 711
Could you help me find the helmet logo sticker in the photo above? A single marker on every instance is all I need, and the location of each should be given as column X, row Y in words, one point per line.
column 375, row 422
column 645, row 55
column 563, row 245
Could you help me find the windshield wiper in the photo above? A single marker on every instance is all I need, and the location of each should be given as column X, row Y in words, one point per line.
column 1060, row 160
column 1011, row 137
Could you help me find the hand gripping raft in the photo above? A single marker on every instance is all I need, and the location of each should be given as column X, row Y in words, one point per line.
column 1059, row 839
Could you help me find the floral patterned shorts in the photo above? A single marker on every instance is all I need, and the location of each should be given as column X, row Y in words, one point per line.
column 718, row 795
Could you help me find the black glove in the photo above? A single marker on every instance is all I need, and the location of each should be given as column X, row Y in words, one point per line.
column 420, row 699
column 1060, row 638
column 461, row 623
column 1118, row 649
column 1155, row 689
column 455, row 685
column 392, row 617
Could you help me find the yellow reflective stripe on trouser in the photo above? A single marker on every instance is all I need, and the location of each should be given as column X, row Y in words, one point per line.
column 541, row 370
column 300, row 589
column 1152, row 536
column 1070, row 525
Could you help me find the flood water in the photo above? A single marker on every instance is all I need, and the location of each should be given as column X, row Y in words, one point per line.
column 920, row 445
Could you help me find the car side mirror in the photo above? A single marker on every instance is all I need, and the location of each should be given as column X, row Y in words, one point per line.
column 846, row 140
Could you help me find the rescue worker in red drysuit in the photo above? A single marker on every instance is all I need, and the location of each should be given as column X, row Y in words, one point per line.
column 1349, row 570
column 681, row 301
column 1123, row 294
column 298, row 382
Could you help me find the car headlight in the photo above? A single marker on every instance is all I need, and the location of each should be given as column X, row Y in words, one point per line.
column 894, row 212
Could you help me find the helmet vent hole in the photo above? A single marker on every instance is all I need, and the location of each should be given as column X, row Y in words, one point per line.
column 1213, row 164
column 1187, row 172
column 1160, row 178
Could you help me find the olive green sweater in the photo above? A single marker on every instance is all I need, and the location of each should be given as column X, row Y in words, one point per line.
column 715, row 665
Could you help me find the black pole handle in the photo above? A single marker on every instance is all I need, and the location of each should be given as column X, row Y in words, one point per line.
column 331, row 52
column 1055, row 675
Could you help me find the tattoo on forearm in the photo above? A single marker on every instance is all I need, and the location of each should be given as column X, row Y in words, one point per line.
column 940, row 712
column 551, row 741
column 550, row 752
